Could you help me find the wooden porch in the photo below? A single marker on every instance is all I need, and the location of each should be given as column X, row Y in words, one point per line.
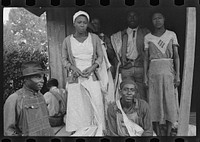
column 60, row 131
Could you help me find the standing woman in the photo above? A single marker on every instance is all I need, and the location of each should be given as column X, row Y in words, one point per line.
column 82, row 56
column 162, row 64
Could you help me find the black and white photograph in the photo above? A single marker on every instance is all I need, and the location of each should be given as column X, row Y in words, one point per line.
column 79, row 71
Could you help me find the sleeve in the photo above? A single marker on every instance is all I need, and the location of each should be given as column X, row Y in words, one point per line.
column 112, row 123
column 147, row 123
column 47, row 98
column 50, row 104
column 64, row 55
column 174, row 39
column 10, row 115
column 99, row 51
column 146, row 44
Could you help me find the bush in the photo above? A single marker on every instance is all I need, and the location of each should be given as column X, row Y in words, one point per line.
column 12, row 67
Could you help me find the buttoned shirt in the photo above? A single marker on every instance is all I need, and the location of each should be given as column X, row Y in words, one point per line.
column 132, row 52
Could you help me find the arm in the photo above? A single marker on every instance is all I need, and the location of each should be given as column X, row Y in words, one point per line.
column 146, row 64
column 112, row 124
column 64, row 55
column 50, row 105
column 124, row 48
column 10, row 116
column 146, row 61
column 99, row 52
column 177, row 65
column 147, row 123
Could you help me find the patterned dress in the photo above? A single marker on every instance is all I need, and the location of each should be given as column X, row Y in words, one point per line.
column 162, row 93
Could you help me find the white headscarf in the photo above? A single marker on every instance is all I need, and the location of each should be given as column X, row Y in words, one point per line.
column 80, row 13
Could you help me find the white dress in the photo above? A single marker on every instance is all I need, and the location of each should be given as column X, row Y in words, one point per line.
column 81, row 95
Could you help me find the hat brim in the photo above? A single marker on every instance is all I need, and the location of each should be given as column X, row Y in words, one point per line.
column 39, row 72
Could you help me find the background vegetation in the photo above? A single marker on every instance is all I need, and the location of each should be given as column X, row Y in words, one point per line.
column 25, row 39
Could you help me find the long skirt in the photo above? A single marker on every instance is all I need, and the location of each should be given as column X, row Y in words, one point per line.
column 80, row 111
column 162, row 94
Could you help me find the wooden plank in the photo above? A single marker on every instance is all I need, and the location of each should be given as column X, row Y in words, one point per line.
column 186, row 89
column 56, row 35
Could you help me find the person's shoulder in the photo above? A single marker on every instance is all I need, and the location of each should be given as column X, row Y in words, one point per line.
column 144, row 30
column 12, row 97
column 143, row 102
column 95, row 36
column 147, row 36
column 170, row 32
column 67, row 38
column 47, row 94
column 15, row 96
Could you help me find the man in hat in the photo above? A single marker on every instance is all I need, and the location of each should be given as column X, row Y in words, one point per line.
column 25, row 111
column 56, row 100
column 129, row 116
column 129, row 46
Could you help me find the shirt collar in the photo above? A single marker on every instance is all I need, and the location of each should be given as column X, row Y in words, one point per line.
column 129, row 30
column 30, row 90
column 135, row 101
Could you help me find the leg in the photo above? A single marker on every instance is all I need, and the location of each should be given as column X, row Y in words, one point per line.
column 169, row 128
column 156, row 128
column 138, row 77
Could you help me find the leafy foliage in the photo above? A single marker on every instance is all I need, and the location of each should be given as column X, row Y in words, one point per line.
column 25, row 39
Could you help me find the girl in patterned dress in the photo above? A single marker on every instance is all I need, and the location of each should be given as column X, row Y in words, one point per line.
column 162, row 75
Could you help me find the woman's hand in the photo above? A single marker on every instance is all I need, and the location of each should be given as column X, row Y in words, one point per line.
column 76, row 71
column 177, row 80
column 87, row 72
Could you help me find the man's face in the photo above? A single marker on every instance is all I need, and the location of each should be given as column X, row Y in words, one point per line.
column 132, row 19
column 96, row 24
column 128, row 92
column 81, row 24
column 35, row 82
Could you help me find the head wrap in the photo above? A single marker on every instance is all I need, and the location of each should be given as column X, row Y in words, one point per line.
column 127, row 81
column 80, row 13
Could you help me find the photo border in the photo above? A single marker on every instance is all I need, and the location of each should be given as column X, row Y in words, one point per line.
column 113, row 3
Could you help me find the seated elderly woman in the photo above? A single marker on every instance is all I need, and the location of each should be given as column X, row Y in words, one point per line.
column 129, row 116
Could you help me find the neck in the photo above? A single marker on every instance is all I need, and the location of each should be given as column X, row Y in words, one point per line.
column 126, row 104
column 77, row 34
column 132, row 27
column 159, row 31
column 30, row 89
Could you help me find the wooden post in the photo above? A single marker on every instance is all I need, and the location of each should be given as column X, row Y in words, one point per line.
column 186, row 90
column 56, row 34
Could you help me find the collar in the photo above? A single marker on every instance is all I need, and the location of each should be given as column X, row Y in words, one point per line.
column 135, row 102
column 130, row 30
column 30, row 90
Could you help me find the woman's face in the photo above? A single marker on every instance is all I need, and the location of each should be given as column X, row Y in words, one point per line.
column 158, row 20
column 81, row 23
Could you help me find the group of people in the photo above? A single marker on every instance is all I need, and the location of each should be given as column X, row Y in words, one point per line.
column 125, row 85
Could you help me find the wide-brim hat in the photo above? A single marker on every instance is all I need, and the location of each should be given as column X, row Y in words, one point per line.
column 32, row 68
